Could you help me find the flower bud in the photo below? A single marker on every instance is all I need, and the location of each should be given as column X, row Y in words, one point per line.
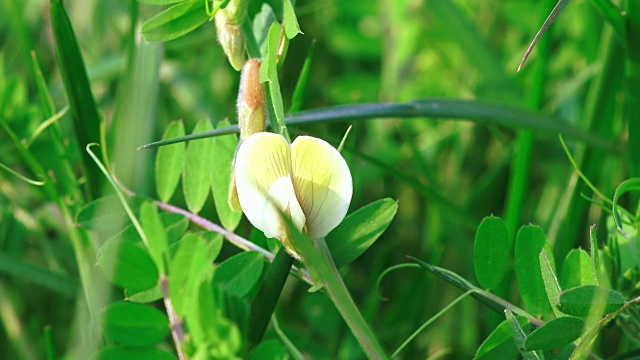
column 230, row 37
column 252, row 115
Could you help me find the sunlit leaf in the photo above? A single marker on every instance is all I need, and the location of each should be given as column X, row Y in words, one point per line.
column 224, row 149
column 155, row 233
column 239, row 274
column 291, row 26
column 170, row 162
column 196, row 179
column 176, row 21
column 360, row 230
column 187, row 267
column 261, row 25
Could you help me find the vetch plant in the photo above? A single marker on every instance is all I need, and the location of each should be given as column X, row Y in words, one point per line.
column 309, row 181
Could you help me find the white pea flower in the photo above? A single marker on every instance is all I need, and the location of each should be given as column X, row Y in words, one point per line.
column 307, row 180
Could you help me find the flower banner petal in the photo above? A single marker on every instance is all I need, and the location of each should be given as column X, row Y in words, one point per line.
column 323, row 184
column 263, row 180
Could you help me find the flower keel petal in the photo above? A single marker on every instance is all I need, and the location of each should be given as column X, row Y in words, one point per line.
column 262, row 171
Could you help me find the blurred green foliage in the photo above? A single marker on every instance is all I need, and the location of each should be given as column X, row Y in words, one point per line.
column 386, row 51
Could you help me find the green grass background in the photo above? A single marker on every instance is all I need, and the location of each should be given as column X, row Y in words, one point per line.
column 447, row 175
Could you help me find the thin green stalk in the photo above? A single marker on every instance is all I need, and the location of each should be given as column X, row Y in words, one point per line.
column 267, row 297
column 598, row 117
column 337, row 290
column 429, row 322
column 632, row 91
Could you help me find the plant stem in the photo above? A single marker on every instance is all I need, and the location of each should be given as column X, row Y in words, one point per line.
column 331, row 280
column 177, row 331
column 267, row 297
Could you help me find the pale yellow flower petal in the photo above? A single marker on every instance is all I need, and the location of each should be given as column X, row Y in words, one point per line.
column 323, row 185
column 263, row 181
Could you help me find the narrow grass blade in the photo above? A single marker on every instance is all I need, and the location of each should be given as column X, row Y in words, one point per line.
column 478, row 112
column 552, row 17
column 84, row 112
column 613, row 16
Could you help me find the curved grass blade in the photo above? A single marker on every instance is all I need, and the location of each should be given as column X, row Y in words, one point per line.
column 613, row 16
column 552, row 17
column 626, row 186
column 451, row 109
column 486, row 298
column 86, row 121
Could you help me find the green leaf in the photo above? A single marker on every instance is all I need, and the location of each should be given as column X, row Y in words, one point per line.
column 175, row 22
column 84, row 112
column 577, row 270
column 269, row 73
column 551, row 284
column 134, row 324
column 519, row 336
column 269, row 350
column 127, row 265
column 555, row 334
column 224, row 149
column 170, row 162
column 144, row 296
column 214, row 243
column 590, row 300
column 500, row 343
column 128, row 353
column 188, row 266
column 491, row 252
column 196, row 179
column 155, row 233
column 239, row 274
column 261, row 24
column 529, row 242
column 291, row 26
column 360, row 230
column 626, row 186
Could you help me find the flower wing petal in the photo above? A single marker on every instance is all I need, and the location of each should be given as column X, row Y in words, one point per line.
column 323, row 184
column 263, row 180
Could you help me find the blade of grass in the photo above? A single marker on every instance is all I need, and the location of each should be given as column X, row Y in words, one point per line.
column 598, row 118
column 632, row 89
column 613, row 16
column 84, row 113
column 38, row 275
column 518, row 179
column 560, row 5
column 478, row 112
